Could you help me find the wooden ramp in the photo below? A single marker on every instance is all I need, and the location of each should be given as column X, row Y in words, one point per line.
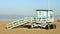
column 17, row 23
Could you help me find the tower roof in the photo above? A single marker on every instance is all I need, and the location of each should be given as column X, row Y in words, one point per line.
column 44, row 10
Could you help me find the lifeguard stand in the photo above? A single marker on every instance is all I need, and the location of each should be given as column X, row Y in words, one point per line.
column 43, row 19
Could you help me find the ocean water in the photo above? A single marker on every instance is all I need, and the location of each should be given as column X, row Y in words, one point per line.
column 19, row 17
column 57, row 17
column 10, row 17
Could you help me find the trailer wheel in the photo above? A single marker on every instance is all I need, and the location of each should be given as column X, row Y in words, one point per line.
column 29, row 27
column 52, row 26
column 47, row 27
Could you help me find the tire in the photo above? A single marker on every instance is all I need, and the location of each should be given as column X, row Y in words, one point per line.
column 29, row 27
column 46, row 27
column 51, row 26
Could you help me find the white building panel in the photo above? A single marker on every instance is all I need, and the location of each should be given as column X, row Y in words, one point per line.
column 45, row 15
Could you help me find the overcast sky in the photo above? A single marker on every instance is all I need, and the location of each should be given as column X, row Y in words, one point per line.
column 27, row 7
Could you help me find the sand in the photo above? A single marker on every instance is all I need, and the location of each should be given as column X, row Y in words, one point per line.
column 3, row 30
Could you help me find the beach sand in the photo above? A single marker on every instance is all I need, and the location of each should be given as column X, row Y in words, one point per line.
column 3, row 30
